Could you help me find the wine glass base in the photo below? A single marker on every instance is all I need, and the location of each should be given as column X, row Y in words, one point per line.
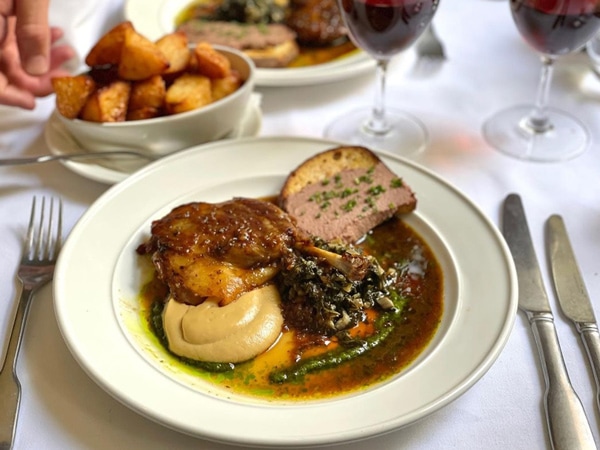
column 507, row 131
column 405, row 136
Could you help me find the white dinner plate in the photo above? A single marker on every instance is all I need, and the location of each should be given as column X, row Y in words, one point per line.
column 98, row 274
column 116, row 169
column 155, row 18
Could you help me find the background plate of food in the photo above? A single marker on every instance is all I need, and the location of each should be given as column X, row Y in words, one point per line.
column 102, row 279
column 292, row 43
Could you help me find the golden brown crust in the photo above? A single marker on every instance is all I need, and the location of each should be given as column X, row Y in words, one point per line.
column 326, row 165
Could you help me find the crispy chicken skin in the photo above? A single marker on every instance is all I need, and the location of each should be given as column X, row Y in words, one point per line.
column 219, row 250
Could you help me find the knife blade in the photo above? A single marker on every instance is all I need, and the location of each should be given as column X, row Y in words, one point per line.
column 571, row 292
column 567, row 422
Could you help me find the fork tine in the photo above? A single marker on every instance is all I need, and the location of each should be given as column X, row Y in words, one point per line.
column 44, row 237
column 47, row 249
column 30, row 231
column 430, row 53
column 57, row 241
column 427, row 65
column 41, row 249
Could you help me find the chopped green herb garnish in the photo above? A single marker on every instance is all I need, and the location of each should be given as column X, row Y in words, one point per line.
column 348, row 192
column 396, row 183
column 349, row 205
column 376, row 190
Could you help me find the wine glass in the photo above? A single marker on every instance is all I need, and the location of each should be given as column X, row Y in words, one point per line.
column 537, row 132
column 383, row 28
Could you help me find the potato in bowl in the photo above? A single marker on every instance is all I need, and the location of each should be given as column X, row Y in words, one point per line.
column 157, row 97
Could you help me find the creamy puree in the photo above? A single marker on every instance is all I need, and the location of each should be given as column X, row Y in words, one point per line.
column 233, row 333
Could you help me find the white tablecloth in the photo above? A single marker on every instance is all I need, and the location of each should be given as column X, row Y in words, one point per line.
column 489, row 67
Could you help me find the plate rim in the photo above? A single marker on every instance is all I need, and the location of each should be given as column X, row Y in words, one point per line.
column 132, row 399
column 152, row 26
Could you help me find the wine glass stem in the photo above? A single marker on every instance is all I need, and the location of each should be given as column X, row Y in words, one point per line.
column 377, row 124
column 538, row 121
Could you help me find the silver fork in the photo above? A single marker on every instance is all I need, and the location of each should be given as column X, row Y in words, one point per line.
column 40, row 251
column 68, row 156
column 430, row 53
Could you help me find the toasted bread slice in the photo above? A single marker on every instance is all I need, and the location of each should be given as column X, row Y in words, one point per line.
column 343, row 193
column 326, row 165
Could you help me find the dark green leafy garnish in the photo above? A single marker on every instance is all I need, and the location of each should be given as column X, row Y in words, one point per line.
column 349, row 349
column 320, row 298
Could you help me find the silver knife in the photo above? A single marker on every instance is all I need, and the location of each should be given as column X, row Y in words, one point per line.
column 571, row 292
column 568, row 425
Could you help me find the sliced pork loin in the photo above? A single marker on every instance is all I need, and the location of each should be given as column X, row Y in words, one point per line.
column 343, row 193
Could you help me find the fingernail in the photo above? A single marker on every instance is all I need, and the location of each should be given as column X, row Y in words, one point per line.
column 36, row 65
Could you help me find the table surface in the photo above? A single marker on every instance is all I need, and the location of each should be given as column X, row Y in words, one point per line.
column 489, row 67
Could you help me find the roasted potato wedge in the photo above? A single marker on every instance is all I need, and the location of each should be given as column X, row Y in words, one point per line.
column 150, row 92
column 175, row 48
column 222, row 87
column 108, row 104
column 140, row 58
column 146, row 112
column 133, row 78
column 72, row 93
column 147, row 98
column 189, row 91
column 108, row 49
column 210, row 62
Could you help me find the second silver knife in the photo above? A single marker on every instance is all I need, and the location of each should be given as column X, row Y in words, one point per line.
column 571, row 292
column 568, row 425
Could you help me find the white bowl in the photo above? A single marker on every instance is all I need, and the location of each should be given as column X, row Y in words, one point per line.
column 166, row 134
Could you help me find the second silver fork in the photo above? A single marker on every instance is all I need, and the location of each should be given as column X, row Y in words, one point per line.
column 430, row 53
column 40, row 251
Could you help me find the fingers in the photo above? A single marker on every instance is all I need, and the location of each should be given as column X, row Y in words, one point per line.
column 13, row 96
column 33, row 86
column 6, row 7
column 59, row 55
column 33, row 35
column 6, row 10
column 3, row 28
column 55, row 34
column 28, row 59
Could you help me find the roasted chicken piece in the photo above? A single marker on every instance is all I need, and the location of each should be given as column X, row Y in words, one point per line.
column 219, row 250
column 316, row 22
column 225, row 249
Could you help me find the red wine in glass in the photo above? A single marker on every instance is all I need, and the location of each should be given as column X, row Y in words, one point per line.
column 383, row 28
column 556, row 27
column 537, row 132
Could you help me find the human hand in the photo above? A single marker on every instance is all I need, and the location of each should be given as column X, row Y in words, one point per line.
column 28, row 59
